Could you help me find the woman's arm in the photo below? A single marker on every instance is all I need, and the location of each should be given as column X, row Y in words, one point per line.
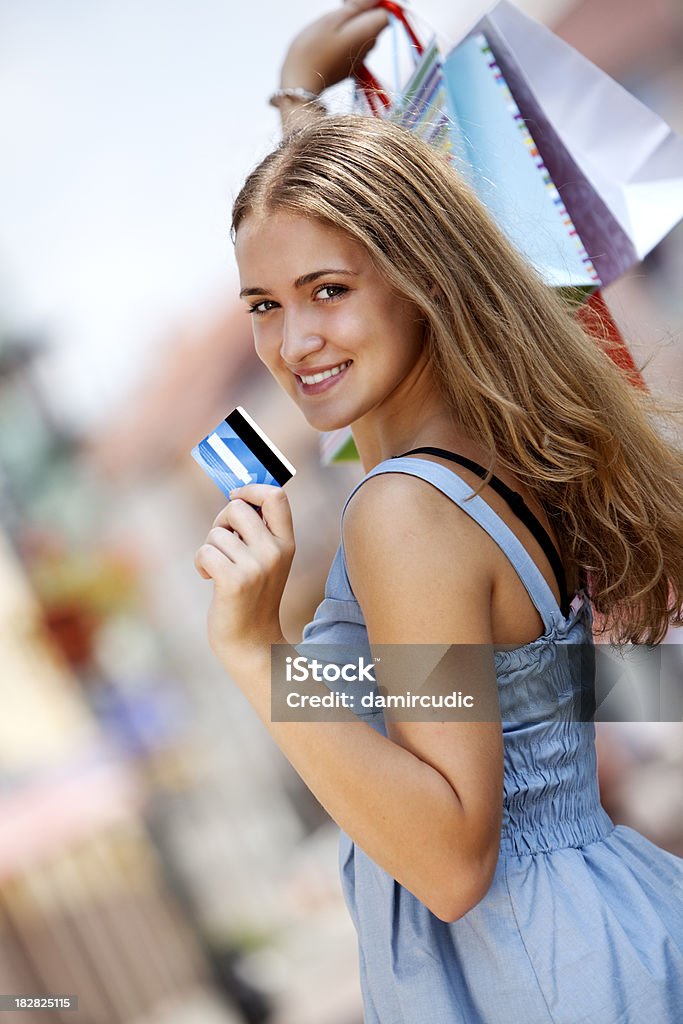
column 424, row 804
column 422, row 572
column 324, row 53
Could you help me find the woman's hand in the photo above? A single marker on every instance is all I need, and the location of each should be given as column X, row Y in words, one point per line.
column 328, row 50
column 248, row 554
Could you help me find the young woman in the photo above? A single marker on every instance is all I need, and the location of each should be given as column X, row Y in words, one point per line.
column 485, row 880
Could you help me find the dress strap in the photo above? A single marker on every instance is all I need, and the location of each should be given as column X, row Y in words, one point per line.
column 455, row 488
column 520, row 508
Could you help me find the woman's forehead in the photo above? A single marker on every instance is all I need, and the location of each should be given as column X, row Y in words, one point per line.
column 265, row 236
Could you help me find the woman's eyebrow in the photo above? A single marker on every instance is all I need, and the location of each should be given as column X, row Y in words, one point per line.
column 315, row 274
column 301, row 281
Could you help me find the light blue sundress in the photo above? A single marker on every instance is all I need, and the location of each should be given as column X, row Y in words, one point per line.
column 583, row 923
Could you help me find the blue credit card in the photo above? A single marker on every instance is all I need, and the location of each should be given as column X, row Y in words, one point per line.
column 238, row 452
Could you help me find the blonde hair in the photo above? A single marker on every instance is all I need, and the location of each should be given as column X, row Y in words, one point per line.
column 525, row 379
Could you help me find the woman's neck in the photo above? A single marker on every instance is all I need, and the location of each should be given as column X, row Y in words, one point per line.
column 440, row 431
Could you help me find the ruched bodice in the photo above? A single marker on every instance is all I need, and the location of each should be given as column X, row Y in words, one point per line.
column 551, row 798
column 583, row 923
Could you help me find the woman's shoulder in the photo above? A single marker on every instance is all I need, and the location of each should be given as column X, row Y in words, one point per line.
column 418, row 565
column 423, row 513
column 408, row 498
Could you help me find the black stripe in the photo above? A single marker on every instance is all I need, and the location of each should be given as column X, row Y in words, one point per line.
column 520, row 509
column 258, row 446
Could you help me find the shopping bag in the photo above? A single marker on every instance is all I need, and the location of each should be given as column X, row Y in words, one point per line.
column 463, row 106
column 440, row 103
column 595, row 317
column 499, row 157
column 617, row 164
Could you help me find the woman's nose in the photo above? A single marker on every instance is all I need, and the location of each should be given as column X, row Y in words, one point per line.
column 299, row 341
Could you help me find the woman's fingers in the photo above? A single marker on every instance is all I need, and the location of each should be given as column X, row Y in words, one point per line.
column 276, row 514
column 247, row 554
column 360, row 33
column 358, row 30
column 210, row 562
column 243, row 519
column 225, row 556
column 362, row 20
column 350, row 8
column 246, row 537
column 227, row 542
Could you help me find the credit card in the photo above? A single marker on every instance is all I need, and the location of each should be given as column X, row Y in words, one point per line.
column 238, row 452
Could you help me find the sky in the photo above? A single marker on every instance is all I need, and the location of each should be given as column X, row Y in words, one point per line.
column 127, row 128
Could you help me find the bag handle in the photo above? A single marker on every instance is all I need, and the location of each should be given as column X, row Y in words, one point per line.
column 374, row 93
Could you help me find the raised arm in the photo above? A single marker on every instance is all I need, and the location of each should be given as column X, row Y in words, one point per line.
column 324, row 53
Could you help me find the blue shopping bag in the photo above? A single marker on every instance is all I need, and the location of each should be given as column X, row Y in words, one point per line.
column 495, row 151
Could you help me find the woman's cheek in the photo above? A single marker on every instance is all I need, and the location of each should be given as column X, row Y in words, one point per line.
column 268, row 351
column 265, row 349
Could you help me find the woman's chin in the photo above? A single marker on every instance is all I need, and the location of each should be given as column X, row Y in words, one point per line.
column 325, row 421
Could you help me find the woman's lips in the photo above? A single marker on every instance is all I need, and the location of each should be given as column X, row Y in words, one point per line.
column 322, row 385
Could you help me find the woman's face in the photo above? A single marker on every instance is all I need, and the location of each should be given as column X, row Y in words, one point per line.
column 318, row 304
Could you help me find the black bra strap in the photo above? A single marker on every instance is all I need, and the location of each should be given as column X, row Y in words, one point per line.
column 520, row 509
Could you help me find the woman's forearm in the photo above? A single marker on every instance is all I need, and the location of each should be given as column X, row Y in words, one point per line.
column 402, row 812
column 326, row 52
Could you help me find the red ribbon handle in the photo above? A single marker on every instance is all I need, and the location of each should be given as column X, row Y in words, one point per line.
column 398, row 12
column 374, row 92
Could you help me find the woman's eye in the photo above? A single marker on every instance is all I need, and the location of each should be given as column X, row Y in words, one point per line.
column 259, row 308
column 335, row 289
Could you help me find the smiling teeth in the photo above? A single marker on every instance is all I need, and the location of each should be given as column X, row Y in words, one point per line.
column 326, row 373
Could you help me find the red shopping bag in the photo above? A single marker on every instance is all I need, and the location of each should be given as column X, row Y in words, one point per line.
column 595, row 317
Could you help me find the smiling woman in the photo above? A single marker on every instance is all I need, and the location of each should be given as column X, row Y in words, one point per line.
column 309, row 321
column 482, row 874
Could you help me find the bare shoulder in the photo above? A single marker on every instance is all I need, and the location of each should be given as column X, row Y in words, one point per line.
column 393, row 506
column 420, row 567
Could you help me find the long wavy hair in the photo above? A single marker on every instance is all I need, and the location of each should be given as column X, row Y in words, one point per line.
column 541, row 394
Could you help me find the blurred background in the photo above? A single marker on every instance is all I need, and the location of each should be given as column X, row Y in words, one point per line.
column 158, row 856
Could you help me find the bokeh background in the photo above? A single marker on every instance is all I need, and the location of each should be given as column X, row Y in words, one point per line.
column 158, row 856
